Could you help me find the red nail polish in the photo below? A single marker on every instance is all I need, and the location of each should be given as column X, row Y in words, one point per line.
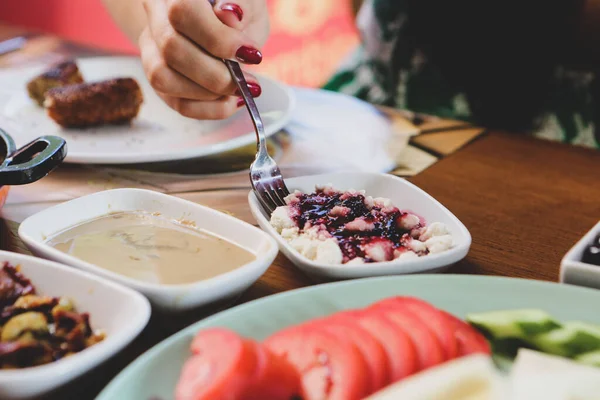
column 248, row 55
column 240, row 102
column 234, row 8
column 255, row 89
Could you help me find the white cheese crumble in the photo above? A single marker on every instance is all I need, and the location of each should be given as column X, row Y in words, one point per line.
column 438, row 244
column 434, row 229
column 315, row 243
column 280, row 219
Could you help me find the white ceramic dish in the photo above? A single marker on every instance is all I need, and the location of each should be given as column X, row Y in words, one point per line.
column 404, row 195
column 35, row 231
column 576, row 272
column 157, row 134
column 121, row 312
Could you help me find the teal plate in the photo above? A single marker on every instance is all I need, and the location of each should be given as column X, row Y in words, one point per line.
column 154, row 374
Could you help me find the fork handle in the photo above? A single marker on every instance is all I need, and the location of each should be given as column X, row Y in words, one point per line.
column 238, row 75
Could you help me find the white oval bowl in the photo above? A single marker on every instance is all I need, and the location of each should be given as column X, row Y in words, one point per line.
column 35, row 230
column 119, row 311
column 404, row 195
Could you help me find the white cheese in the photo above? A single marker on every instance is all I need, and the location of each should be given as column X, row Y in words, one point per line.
column 280, row 219
column 469, row 378
column 438, row 244
column 537, row 375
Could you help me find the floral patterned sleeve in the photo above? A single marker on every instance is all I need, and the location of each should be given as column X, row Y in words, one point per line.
column 416, row 84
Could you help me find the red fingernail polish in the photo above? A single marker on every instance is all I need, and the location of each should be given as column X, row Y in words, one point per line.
column 248, row 55
column 234, row 8
column 240, row 102
column 254, row 88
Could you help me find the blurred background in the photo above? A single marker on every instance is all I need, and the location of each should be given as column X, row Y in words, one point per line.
column 309, row 38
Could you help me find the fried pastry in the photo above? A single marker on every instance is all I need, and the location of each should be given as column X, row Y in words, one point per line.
column 113, row 101
column 62, row 74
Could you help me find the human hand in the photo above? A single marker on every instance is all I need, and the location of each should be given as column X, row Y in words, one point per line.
column 184, row 42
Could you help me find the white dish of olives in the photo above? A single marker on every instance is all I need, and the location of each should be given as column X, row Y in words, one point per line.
column 57, row 323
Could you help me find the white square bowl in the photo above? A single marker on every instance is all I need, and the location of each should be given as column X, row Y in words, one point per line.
column 574, row 271
column 121, row 312
column 404, row 195
column 35, row 230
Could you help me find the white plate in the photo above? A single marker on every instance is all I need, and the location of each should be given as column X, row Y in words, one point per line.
column 404, row 195
column 334, row 131
column 35, row 230
column 121, row 312
column 157, row 134
column 576, row 272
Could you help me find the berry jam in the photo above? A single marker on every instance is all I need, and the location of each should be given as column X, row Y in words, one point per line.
column 357, row 225
column 591, row 255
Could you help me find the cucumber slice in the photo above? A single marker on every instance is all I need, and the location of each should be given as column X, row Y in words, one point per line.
column 509, row 347
column 572, row 339
column 592, row 358
column 518, row 324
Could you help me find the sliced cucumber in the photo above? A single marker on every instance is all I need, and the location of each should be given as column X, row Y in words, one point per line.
column 592, row 358
column 518, row 324
column 509, row 347
column 570, row 340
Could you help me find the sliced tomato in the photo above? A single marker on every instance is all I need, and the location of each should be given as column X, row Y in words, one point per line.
column 400, row 352
column 469, row 340
column 437, row 322
column 429, row 349
column 332, row 368
column 275, row 378
column 344, row 326
column 307, row 325
column 222, row 366
column 191, row 381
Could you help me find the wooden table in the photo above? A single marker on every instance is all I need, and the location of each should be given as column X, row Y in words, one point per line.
column 525, row 202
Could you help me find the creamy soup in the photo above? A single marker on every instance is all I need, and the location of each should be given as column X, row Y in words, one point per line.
column 150, row 248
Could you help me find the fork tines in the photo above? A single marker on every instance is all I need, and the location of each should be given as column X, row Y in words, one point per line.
column 270, row 191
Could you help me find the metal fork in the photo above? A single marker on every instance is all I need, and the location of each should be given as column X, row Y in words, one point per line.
column 265, row 177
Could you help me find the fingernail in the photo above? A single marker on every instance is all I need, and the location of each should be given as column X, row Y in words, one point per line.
column 255, row 89
column 234, row 8
column 248, row 55
column 240, row 102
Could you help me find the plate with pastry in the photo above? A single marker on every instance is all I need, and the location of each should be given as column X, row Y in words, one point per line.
column 106, row 110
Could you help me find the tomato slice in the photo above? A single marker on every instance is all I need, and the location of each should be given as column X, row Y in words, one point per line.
column 331, row 367
column 372, row 351
column 222, row 365
column 302, row 327
column 275, row 378
column 469, row 340
column 400, row 351
column 340, row 324
column 437, row 322
column 429, row 349
column 191, row 381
